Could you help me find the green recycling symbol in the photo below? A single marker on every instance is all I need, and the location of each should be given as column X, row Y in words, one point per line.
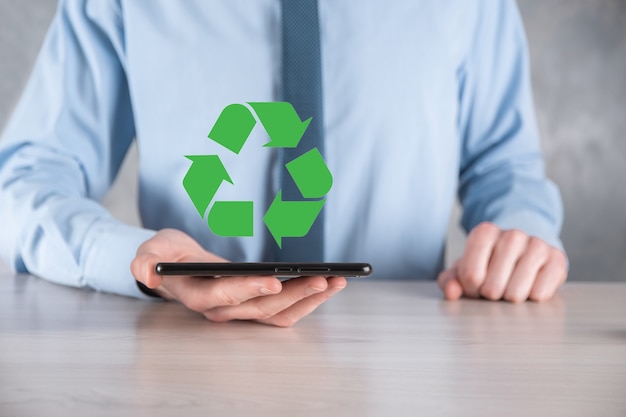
column 308, row 171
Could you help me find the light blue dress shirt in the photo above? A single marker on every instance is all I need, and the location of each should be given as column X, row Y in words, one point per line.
column 423, row 101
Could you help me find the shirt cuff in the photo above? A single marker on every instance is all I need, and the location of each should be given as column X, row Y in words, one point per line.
column 110, row 247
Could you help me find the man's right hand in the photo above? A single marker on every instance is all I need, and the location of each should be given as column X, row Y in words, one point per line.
column 263, row 299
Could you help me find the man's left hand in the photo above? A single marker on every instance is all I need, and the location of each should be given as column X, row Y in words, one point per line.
column 504, row 264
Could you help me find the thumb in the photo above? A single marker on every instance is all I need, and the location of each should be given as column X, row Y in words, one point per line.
column 449, row 283
column 142, row 268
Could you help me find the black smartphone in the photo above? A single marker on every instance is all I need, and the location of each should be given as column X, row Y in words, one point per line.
column 281, row 269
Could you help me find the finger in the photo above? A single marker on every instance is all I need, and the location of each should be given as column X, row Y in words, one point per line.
column 453, row 290
column 306, row 306
column 550, row 277
column 263, row 308
column 472, row 268
column 525, row 272
column 446, row 275
column 449, row 284
column 203, row 294
column 506, row 252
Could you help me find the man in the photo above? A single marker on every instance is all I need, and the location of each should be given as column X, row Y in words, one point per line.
column 421, row 101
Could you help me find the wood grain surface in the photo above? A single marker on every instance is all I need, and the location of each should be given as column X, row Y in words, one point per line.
column 376, row 349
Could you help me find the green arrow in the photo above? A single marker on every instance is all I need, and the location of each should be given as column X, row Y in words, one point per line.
column 310, row 173
column 291, row 218
column 282, row 123
column 203, row 179
column 233, row 126
column 231, row 218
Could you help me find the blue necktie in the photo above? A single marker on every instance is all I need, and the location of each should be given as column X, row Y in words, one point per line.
column 302, row 87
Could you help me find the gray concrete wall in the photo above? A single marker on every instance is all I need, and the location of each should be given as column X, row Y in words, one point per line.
column 578, row 52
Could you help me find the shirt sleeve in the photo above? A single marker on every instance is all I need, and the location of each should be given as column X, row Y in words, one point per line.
column 502, row 176
column 62, row 150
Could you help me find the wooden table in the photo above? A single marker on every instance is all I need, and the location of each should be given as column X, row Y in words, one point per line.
column 376, row 349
